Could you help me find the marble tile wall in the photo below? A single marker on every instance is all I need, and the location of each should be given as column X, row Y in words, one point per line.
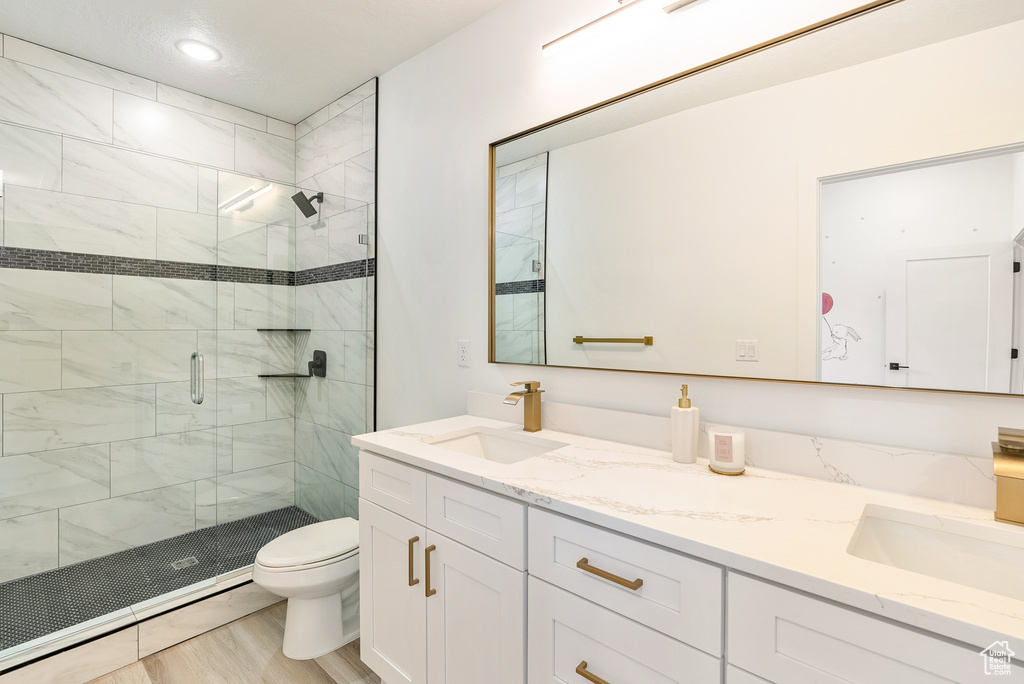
column 335, row 154
column 101, row 448
column 520, row 224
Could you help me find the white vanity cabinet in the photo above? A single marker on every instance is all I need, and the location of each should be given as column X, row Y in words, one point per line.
column 788, row 637
column 435, row 610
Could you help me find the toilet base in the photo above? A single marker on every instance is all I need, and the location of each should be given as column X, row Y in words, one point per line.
column 315, row 627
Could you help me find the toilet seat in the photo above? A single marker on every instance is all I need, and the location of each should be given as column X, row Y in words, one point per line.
column 307, row 566
column 311, row 546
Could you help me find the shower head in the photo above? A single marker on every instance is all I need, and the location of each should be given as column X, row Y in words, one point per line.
column 305, row 204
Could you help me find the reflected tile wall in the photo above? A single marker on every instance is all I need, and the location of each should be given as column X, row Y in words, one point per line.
column 520, row 224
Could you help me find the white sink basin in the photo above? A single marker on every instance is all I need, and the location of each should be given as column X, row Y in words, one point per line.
column 987, row 558
column 500, row 446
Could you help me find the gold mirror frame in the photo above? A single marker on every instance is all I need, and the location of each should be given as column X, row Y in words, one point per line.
column 689, row 73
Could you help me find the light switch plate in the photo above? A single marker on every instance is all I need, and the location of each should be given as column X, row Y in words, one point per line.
column 463, row 353
column 748, row 350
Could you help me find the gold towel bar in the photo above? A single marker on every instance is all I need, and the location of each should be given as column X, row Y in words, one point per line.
column 647, row 341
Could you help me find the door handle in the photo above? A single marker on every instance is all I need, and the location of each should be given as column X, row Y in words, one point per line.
column 413, row 581
column 426, row 562
column 584, row 565
column 581, row 670
column 896, row 366
column 196, row 373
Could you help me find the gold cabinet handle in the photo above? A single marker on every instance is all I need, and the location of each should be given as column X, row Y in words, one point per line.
column 581, row 670
column 582, row 564
column 426, row 562
column 413, row 581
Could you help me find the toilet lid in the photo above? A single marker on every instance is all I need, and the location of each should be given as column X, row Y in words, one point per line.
column 311, row 544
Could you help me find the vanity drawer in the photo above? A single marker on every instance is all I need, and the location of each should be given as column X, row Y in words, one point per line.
column 680, row 596
column 392, row 485
column 489, row 523
column 566, row 631
column 787, row 637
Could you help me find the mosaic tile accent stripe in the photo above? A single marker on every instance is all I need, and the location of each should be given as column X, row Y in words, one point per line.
column 519, row 287
column 46, row 260
column 364, row 268
column 48, row 602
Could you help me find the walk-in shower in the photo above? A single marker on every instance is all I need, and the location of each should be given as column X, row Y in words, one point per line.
column 161, row 299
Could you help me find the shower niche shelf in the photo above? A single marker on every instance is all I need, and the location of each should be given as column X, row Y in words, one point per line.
column 284, row 375
column 289, row 330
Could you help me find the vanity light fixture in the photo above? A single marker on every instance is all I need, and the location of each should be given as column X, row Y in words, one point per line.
column 626, row 4
column 244, row 197
column 197, row 50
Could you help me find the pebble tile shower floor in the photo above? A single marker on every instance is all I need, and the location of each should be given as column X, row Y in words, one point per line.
column 37, row 605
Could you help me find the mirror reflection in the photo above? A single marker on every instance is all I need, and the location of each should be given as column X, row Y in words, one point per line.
column 844, row 208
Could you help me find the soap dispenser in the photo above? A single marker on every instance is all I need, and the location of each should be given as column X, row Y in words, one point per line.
column 685, row 429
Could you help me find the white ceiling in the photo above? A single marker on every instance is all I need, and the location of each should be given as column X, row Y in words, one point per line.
column 284, row 58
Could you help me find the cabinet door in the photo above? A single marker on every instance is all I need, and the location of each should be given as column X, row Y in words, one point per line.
column 392, row 618
column 476, row 621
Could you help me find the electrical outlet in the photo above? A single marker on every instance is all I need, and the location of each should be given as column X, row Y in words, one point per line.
column 463, row 353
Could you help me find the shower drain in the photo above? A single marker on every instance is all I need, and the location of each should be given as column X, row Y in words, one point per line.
column 184, row 563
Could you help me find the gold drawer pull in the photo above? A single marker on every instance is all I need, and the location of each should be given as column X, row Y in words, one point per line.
column 581, row 670
column 582, row 564
column 426, row 562
column 413, row 581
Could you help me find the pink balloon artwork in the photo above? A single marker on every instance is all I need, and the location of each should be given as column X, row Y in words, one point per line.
column 826, row 303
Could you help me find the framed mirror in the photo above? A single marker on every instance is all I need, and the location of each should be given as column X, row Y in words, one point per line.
column 844, row 204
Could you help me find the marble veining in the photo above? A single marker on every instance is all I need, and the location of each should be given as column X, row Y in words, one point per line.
column 41, row 421
column 128, row 176
column 62, row 63
column 249, row 492
column 319, row 494
column 92, row 359
column 164, row 304
column 41, row 300
column 175, row 411
column 138, row 465
column 44, row 99
column 111, row 525
column 148, row 126
column 32, row 158
column 186, row 236
column 31, row 361
column 258, row 445
column 44, row 481
column 31, row 541
column 204, row 105
column 41, row 219
column 264, row 155
column 333, row 143
column 783, row 527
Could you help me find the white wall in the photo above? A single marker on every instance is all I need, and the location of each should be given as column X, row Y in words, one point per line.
column 441, row 109
column 965, row 204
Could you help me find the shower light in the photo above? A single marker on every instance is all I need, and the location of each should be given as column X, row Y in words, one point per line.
column 197, row 50
column 626, row 4
column 244, row 197
column 679, row 4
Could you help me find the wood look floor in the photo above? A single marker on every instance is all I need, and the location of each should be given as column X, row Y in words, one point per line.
column 244, row 652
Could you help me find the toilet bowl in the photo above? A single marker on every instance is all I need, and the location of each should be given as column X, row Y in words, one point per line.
column 317, row 569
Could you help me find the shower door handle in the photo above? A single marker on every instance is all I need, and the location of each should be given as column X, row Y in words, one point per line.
column 196, row 378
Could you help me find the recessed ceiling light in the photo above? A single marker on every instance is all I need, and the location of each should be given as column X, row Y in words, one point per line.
column 197, row 50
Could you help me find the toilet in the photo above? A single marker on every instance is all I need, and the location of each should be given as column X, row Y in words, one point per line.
column 317, row 569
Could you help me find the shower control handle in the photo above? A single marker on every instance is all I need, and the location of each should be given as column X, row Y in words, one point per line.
column 196, row 376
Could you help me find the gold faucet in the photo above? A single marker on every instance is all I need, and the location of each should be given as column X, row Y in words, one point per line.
column 531, row 409
column 1008, row 453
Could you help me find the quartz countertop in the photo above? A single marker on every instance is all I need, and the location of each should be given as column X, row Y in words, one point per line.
column 785, row 528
